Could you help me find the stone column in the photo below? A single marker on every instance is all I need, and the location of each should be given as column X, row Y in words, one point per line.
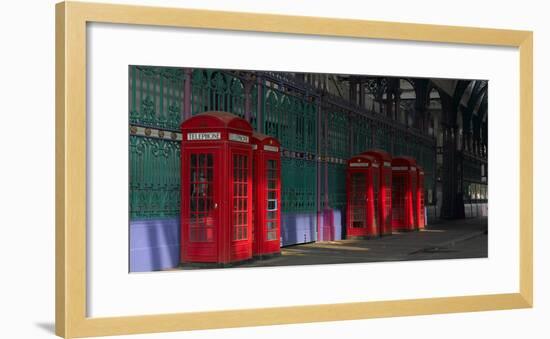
column 248, row 98
column 259, row 102
column 187, row 93
column 362, row 95
column 319, row 181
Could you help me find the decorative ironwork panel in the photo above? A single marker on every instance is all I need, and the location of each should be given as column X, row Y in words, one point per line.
column 338, row 135
column 299, row 185
column 337, row 185
column 156, row 100
column 336, row 149
column 154, row 177
column 292, row 120
column 272, row 115
column 362, row 139
column 310, row 125
column 382, row 138
column 217, row 91
column 399, row 144
column 415, row 151
column 156, row 96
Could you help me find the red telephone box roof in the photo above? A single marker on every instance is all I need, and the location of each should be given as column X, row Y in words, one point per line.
column 262, row 139
column 216, row 119
column 379, row 154
column 355, row 161
column 403, row 161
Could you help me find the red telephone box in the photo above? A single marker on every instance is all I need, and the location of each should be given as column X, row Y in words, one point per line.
column 216, row 187
column 385, row 189
column 362, row 200
column 420, row 198
column 404, row 194
column 267, row 195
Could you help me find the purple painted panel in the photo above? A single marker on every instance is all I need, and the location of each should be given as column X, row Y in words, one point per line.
column 338, row 224
column 332, row 225
column 154, row 244
column 298, row 228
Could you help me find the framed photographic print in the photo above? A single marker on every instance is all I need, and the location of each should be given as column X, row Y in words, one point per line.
column 223, row 169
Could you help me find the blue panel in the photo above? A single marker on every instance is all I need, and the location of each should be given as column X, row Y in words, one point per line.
column 154, row 244
column 338, row 223
column 332, row 222
column 298, row 228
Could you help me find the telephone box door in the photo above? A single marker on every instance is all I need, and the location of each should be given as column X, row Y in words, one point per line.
column 267, row 198
column 272, row 222
column 414, row 198
column 421, row 202
column 399, row 199
column 201, row 209
column 387, row 212
column 357, row 204
column 377, row 222
column 241, row 206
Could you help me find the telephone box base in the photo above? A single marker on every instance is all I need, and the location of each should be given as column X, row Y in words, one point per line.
column 215, row 264
column 405, row 230
column 363, row 237
column 267, row 256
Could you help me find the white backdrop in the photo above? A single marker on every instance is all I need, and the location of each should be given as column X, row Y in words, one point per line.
column 114, row 292
column 27, row 167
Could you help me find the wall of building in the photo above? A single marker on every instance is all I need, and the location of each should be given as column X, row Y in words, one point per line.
column 317, row 136
column 154, row 244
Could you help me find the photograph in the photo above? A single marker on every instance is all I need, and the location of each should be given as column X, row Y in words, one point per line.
column 240, row 169
column 256, row 168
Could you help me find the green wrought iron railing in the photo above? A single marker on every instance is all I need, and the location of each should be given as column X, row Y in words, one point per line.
column 299, row 185
column 292, row 120
column 154, row 178
column 215, row 90
column 337, row 185
column 156, row 100
column 361, row 134
column 335, row 143
column 156, row 96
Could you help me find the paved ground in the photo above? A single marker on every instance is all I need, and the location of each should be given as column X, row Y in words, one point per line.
column 449, row 239
column 444, row 240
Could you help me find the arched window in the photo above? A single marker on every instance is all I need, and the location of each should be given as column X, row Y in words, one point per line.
column 406, row 114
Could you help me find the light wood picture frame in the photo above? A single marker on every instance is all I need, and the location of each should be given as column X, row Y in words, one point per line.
column 71, row 171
